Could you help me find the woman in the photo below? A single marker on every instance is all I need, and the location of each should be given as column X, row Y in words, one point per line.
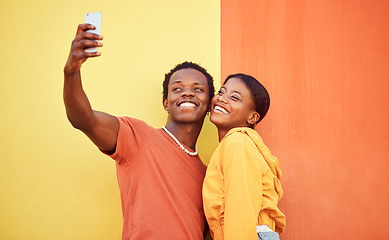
column 241, row 187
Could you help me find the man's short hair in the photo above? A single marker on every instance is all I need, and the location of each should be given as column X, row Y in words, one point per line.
column 191, row 65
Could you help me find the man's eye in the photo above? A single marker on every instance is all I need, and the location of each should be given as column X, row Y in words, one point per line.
column 198, row 89
column 176, row 89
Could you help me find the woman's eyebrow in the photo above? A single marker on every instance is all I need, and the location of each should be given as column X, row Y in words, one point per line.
column 238, row 92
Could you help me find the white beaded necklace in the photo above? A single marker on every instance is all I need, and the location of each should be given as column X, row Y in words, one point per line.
column 180, row 144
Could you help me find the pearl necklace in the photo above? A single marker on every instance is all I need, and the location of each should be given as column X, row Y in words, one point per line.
column 180, row 144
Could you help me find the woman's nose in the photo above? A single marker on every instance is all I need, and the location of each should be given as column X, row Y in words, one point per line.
column 222, row 98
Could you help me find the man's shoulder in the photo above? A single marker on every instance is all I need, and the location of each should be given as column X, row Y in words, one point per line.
column 133, row 122
column 134, row 128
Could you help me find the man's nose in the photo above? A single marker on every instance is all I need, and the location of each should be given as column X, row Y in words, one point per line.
column 187, row 92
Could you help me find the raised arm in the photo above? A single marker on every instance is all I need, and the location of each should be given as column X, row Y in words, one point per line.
column 100, row 127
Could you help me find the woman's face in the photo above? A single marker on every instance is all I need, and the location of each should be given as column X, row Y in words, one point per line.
column 233, row 106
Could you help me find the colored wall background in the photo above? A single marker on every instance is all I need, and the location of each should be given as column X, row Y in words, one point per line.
column 326, row 66
column 54, row 182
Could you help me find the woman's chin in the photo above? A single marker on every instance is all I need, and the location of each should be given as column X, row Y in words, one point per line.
column 219, row 124
column 214, row 120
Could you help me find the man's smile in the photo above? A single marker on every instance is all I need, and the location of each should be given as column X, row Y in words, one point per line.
column 187, row 104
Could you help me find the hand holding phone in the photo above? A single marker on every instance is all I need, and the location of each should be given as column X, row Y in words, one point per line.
column 94, row 19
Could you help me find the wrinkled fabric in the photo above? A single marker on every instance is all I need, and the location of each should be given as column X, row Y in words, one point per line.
column 160, row 185
column 242, row 187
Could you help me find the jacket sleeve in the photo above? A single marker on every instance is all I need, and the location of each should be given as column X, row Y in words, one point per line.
column 243, row 187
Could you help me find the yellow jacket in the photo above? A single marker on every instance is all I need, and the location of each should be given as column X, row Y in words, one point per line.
column 241, row 187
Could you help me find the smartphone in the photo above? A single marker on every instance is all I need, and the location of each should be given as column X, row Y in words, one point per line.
column 94, row 19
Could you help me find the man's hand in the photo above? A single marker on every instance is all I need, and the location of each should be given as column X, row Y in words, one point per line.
column 83, row 40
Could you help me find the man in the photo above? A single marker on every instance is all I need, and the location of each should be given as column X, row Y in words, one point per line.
column 159, row 172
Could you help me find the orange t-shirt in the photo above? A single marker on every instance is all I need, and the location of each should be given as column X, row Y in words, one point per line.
column 160, row 185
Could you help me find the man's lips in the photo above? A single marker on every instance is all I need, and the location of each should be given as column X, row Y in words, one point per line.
column 187, row 104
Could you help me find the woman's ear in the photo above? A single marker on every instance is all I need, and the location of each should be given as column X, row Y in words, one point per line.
column 253, row 118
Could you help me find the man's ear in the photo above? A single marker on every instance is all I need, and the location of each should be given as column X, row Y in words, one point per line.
column 253, row 118
column 165, row 104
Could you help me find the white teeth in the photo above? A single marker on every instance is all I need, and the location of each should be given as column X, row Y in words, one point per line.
column 187, row 104
column 220, row 109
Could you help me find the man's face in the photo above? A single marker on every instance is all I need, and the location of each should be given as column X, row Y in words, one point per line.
column 188, row 96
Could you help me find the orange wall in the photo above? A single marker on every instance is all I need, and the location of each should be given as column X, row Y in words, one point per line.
column 326, row 66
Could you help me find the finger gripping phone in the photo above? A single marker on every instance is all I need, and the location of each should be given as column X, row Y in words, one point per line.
column 94, row 19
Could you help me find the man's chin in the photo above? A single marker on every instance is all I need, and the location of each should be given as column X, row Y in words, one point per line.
column 190, row 119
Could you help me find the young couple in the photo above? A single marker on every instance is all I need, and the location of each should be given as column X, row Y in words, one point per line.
column 161, row 178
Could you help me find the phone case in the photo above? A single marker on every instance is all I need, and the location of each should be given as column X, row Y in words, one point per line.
column 94, row 19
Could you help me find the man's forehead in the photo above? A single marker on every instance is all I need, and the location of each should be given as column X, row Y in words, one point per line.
column 188, row 74
column 179, row 80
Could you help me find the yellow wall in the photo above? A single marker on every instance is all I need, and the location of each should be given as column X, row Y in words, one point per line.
column 54, row 182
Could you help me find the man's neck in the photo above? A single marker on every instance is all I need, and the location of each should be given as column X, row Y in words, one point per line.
column 186, row 133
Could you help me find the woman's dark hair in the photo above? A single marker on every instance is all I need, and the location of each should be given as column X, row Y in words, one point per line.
column 258, row 92
column 191, row 65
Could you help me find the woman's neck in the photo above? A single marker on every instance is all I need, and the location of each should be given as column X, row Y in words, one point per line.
column 222, row 133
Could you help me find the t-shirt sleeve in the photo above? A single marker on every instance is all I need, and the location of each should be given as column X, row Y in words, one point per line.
column 132, row 136
column 243, row 187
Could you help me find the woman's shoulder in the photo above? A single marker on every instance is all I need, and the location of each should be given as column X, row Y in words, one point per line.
column 239, row 134
column 238, row 138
